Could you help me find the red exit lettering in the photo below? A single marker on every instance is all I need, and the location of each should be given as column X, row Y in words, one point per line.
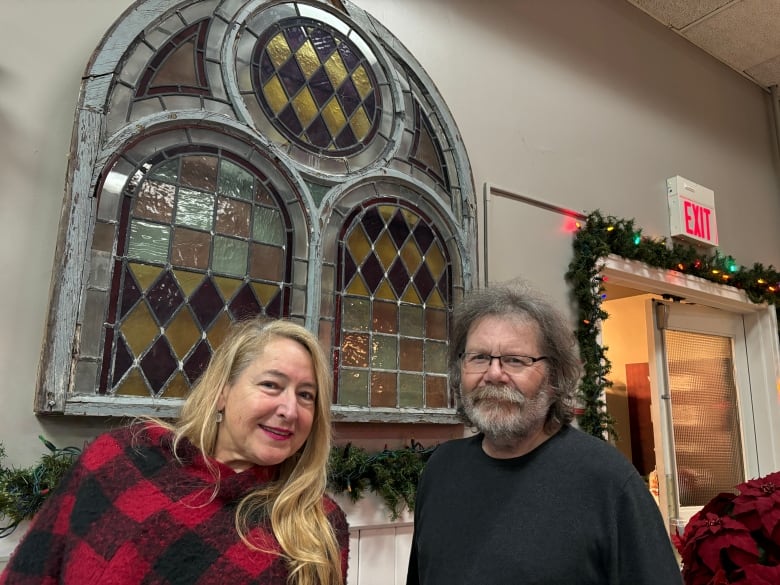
column 697, row 219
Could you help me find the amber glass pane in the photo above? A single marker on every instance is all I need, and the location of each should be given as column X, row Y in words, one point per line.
column 354, row 350
column 133, row 385
column 199, row 172
column 385, row 318
column 140, row 328
column 266, row 262
column 436, row 391
column 233, row 217
column 383, row 389
column 183, row 333
column 411, row 355
column 154, row 200
column 436, row 324
column 191, row 249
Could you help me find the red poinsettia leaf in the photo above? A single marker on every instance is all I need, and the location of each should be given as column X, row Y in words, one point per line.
column 760, row 575
column 737, row 545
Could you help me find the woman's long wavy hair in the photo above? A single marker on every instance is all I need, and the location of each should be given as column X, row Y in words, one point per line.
column 293, row 502
column 557, row 341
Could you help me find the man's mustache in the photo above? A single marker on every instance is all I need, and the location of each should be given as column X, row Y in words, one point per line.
column 498, row 394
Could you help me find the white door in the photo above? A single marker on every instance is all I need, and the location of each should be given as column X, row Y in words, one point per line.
column 701, row 405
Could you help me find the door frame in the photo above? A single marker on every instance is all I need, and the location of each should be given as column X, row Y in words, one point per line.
column 761, row 338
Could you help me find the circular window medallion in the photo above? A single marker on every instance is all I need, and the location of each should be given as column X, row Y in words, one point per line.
column 316, row 87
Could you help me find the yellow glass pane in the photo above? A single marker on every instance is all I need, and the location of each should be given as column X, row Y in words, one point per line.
column 307, row 59
column 145, row 274
column 410, row 390
column 265, row 292
column 275, row 94
column 411, row 256
column 387, row 212
column 435, row 300
column 435, row 261
column 353, row 387
column 360, row 124
column 133, row 385
column 411, row 296
column 385, row 250
column 178, row 388
column 216, row 335
column 278, row 50
column 139, row 328
column 411, row 218
column 356, row 287
column 227, row 286
column 188, row 281
column 362, row 82
column 335, row 69
column 334, row 116
column 304, row 106
column 183, row 333
column 358, row 245
column 385, row 291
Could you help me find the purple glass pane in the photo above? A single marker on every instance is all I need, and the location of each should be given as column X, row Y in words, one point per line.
column 244, row 304
column 130, row 293
column 274, row 308
column 295, row 36
column 444, row 286
column 291, row 77
column 351, row 60
column 323, row 42
column 123, row 359
column 373, row 224
column 346, row 138
column 318, row 133
column 197, row 362
column 424, row 236
column 398, row 228
column 206, row 303
column 290, row 120
column 424, row 282
column 349, row 97
column 398, row 276
column 267, row 68
column 321, row 87
column 165, row 297
column 370, row 105
column 372, row 272
column 349, row 268
column 158, row 364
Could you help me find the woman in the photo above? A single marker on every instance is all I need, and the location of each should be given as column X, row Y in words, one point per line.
column 233, row 492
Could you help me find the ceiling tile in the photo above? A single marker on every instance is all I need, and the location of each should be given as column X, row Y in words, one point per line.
column 678, row 13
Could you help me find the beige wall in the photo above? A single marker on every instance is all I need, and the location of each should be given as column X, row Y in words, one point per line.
column 586, row 104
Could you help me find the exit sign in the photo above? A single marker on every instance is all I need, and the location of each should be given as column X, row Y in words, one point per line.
column 691, row 212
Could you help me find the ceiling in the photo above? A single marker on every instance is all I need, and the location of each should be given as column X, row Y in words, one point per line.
column 743, row 34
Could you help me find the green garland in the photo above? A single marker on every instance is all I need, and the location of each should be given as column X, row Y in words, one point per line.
column 600, row 236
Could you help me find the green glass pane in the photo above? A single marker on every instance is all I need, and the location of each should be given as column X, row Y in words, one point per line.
column 435, row 357
column 411, row 321
column 230, row 256
column 167, row 171
column 355, row 314
column 148, row 241
column 235, row 181
column 410, row 393
column 317, row 191
column 353, row 387
column 267, row 226
column 384, row 352
column 195, row 209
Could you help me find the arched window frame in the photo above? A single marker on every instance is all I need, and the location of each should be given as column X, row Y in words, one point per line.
column 323, row 184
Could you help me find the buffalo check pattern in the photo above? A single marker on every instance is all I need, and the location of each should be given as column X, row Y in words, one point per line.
column 129, row 513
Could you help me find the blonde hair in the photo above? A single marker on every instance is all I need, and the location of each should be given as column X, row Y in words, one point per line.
column 294, row 503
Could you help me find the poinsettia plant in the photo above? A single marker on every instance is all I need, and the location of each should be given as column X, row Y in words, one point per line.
column 735, row 538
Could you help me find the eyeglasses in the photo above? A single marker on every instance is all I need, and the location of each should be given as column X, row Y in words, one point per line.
column 478, row 363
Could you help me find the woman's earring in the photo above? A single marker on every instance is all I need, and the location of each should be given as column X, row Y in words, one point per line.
column 219, row 416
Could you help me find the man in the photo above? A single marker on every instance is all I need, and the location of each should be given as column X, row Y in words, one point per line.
column 530, row 499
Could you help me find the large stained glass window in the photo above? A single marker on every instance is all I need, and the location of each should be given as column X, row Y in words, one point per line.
column 243, row 157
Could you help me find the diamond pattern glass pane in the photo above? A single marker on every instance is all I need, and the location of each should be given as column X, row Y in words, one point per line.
column 395, row 310
column 195, row 269
column 705, row 417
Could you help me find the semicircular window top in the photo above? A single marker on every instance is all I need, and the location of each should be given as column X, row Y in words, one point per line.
column 394, row 311
column 201, row 241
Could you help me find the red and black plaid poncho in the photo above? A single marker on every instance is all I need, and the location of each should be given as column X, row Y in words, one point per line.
column 129, row 513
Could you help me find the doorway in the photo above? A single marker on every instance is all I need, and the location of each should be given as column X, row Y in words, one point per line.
column 688, row 376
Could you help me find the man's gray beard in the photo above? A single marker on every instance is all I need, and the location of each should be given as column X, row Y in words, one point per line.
column 504, row 414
